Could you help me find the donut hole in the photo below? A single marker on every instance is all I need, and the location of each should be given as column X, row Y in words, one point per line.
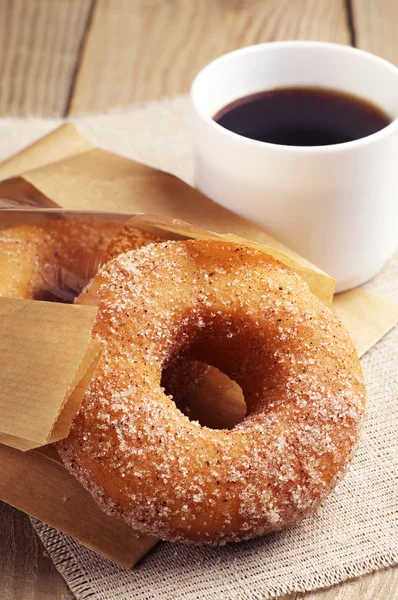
column 215, row 400
column 225, row 368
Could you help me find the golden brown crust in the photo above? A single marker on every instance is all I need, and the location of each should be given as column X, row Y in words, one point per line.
column 50, row 261
column 18, row 261
column 55, row 260
column 128, row 238
column 248, row 315
column 181, row 376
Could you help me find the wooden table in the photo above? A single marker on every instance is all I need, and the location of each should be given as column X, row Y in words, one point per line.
column 68, row 57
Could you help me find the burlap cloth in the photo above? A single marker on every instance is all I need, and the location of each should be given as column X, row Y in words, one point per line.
column 355, row 532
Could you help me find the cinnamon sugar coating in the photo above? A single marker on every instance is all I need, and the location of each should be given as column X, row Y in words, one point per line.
column 128, row 238
column 50, row 261
column 245, row 313
column 182, row 375
column 56, row 259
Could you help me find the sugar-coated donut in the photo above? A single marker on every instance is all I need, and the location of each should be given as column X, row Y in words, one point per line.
column 50, row 261
column 56, row 259
column 181, row 376
column 128, row 237
column 245, row 313
column 18, row 261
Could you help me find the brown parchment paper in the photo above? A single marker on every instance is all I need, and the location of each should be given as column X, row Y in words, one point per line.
column 59, row 144
column 41, row 486
column 47, row 359
column 82, row 378
column 367, row 317
column 89, row 178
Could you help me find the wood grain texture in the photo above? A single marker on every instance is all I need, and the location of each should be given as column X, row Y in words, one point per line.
column 381, row 585
column 26, row 570
column 375, row 26
column 138, row 50
column 39, row 46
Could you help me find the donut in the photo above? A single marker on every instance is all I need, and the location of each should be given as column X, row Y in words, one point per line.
column 181, row 376
column 128, row 237
column 245, row 313
column 51, row 261
column 18, row 261
column 56, row 259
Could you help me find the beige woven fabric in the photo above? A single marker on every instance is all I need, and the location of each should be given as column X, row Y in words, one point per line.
column 355, row 532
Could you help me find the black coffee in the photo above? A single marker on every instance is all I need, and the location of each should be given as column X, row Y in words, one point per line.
column 303, row 116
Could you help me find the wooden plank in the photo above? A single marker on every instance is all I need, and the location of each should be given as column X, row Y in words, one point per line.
column 39, row 47
column 381, row 585
column 375, row 27
column 139, row 50
column 26, row 569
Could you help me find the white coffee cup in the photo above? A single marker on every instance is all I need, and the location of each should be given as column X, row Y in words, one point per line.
column 336, row 205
